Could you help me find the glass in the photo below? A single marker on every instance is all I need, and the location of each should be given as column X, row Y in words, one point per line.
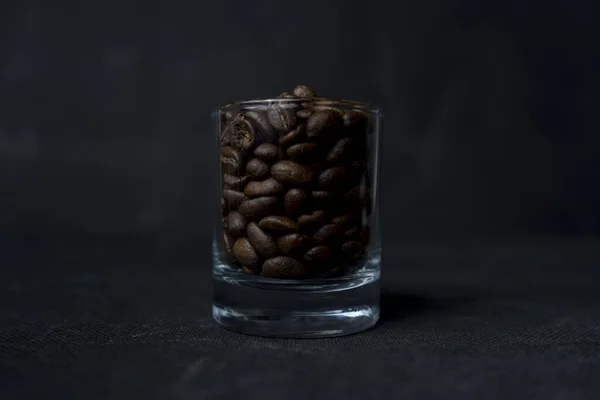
column 297, row 246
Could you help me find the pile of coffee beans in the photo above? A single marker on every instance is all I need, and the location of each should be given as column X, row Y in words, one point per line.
column 295, row 186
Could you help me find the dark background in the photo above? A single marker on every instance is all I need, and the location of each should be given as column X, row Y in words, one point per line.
column 490, row 196
column 491, row 121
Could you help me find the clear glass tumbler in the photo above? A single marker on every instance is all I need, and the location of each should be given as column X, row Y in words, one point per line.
column 297, row 246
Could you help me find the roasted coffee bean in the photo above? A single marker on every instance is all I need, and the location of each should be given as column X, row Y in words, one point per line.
column 282, row 117
column 293, row 136
column 304, row 113
column 257, row 168
column 258, row 208
column 292, row 243
column 320, row 196
column 228, row 242
column 267, row 152
column 246, row 255
column 261, row 122
column 232, row 160
column 283, row 267
column 332, row 177
column 310, row 222
column 303, row 91
column 323, row 123
column 268, row 187
column 262, row 242
column 241, row 133
column 354, row 118
column 352, row 249
column 278, row 224
column 290, row 172
column 302, row 151
column 248, row 271
column 341, row 151
column 294, row 201
column 233, row 199
column 234, row 182
column 236, row 224
column 324, row 234
column 318, row 254
column 345, row 221
column 351, row 233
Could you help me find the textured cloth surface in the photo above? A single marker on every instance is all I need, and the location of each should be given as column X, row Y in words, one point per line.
column 493, row 320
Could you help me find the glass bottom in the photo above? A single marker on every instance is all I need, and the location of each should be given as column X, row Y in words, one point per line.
column 268, row 307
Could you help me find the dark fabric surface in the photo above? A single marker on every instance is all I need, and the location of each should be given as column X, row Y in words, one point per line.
column 98, row 319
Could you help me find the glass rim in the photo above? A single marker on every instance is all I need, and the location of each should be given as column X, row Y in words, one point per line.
column 257, row 104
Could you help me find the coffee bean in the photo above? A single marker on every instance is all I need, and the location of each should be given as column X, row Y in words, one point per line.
column 278, row 224
column 292, row 243
column 343, row 222
column 355, row 117
column 286, row 95
column 257, row 168
column 261, row 122
column 303, row 91
column 262, row 242
column 332, row 177
column 241, row 133
column 233, row 198
column 304, row 113
column 320, row 196
column 352, row 249
column 318, row 254
column 258, row 208
column 266, row 152
column 341, row 151
column 246, row 255
column 324, row 234
column 282, row 117
column 232, row 160
column 310, row 222
column 236, row 224
column 228, row 242
column 302, row 151
column 351, row 233
column 294, row 201
column 293, row 136
column 247, row 271
column 290, row 172
column 268, row 187
column 283, row 267
column 323, row 123
column 234, row 182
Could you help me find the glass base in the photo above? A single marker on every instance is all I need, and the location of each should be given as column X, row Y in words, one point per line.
column 261, row 306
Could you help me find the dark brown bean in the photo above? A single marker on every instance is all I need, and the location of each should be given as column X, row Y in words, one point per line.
column 304, row 91
column 355, row 119
column 283, row 267
column 257, row 168
column 341, row 151
column 267, row 152
column 302, row 151
column 294, row 201
column 236, row 224
column 286, row 95
column 232, row 160
column 323, row 123
column 246, row 255
column 260, row 120
column 233, row 198
column 318, row 254
column 258, row 208
column 304, row 113
column 345, row 221
column 290, row 172
column 310, row 223
column 278, row 224
column 234, row 182
column 292, row 243
column 241, row 133
column 282, row 117
column 248, row 271
column 268, row 187
column 332, row 177
column 352, row 233
column 228, row 242
column 262, row 242
column 293, row 136
column 352, row 249
column 324, row 234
